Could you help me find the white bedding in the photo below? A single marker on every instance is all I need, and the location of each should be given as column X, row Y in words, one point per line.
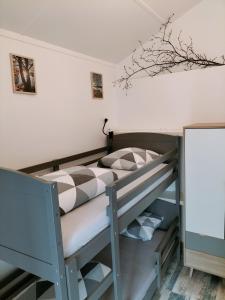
column 88, row 220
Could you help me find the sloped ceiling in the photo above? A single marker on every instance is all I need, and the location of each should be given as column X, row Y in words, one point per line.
column 105, row 29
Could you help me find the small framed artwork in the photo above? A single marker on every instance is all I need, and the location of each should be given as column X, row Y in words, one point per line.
column 96, row 85
column 23, row 74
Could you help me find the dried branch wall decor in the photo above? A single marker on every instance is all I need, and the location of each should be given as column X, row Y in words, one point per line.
column 164, row 54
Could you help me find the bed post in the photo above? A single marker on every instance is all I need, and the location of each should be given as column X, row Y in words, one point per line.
column 109, row 141
column 60, row 284
column 72, row 280
column 61, row 290
column 177, row 187
column 158, row 267
column 114, row 233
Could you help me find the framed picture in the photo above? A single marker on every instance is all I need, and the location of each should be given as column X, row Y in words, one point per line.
column 96, row 85
column 23, row 74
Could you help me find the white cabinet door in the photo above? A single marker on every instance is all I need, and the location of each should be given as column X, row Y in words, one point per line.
column 205, row 181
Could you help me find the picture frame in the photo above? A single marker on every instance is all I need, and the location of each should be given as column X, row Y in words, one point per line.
column 23, row 74
column 96, row 85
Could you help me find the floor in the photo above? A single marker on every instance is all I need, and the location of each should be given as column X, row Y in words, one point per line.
column 177, row 285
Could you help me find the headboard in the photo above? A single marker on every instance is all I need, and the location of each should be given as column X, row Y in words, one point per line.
column 157, row 142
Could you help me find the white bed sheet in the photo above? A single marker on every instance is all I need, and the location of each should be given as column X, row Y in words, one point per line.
column 85, row 222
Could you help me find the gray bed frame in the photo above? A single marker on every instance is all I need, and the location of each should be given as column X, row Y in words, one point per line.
column 30, row 230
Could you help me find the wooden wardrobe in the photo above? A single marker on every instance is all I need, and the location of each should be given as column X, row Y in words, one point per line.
column 204, row 247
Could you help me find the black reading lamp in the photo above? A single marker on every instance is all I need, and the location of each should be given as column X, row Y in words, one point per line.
column 109, row 136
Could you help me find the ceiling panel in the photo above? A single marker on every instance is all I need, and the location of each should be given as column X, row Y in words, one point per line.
column 20, row 14
column 165, row 8
column 105, row 29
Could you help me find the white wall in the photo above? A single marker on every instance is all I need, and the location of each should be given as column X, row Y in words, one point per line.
column 62, row 119
column 168, row 102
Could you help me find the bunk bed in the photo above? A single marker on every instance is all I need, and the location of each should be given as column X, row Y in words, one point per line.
column 35, row 239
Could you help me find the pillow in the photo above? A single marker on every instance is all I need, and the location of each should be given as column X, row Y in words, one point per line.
column 129, row 159
column 79, row 184
column 90, row 276
column 143, row 227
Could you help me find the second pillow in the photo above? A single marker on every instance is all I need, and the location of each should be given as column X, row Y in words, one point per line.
column 129, row 159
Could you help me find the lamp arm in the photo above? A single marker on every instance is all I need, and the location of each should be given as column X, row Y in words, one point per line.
column 103, row 128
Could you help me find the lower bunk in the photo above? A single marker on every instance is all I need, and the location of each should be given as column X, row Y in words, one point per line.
column 143, row 264
column 55, row 248
column 138, row 267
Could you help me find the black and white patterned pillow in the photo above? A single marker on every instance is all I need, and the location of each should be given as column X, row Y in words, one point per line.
column 79, row 184
column 143, row 227
column 129, row 159
column 89, row 278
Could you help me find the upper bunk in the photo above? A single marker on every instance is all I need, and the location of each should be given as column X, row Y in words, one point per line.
column 32, row 196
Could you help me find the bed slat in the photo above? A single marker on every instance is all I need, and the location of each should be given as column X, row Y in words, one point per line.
column 141, row 187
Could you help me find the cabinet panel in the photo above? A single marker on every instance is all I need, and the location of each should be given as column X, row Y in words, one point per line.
column 205, row 181
column 204, row 262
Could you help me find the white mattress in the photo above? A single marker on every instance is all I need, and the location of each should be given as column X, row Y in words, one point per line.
column 88, row 220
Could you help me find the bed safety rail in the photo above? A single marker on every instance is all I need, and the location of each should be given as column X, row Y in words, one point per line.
column 111, row 190
column 115, row 203
column 120, row 183
column 166, row 249
column 94, row 246
column 137, row 190
column 54, row 164
column 144, row 203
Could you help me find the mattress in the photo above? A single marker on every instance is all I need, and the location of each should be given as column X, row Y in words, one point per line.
column 87, row 221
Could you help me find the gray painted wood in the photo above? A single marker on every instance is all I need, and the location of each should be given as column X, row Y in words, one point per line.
column 34, row 242
column 206, row 244
column 178, row 285
column 114, row 232
column 148, row 167
column 136, row 190
column 72, row 280
column 27, row 198
column 166, row 254
column 158, row 142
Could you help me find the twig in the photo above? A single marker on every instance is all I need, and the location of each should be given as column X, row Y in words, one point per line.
column 163, row 55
